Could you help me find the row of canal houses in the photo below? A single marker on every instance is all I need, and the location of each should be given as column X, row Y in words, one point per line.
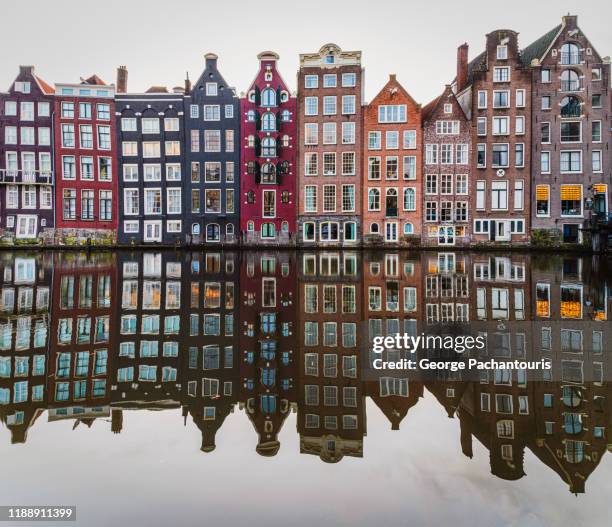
column 515, row 149
column 93, row 337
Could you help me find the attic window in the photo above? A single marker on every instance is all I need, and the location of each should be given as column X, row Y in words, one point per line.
column 268, row 76
column 284, row 96
column 502, row 52
column 22, row 87
column 448, row 108
column 329, row 59
column 211, row 88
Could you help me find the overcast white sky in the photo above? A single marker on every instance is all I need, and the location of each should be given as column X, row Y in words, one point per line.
column 159, row 40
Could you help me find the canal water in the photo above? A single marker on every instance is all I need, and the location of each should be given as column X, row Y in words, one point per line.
column 237, row 388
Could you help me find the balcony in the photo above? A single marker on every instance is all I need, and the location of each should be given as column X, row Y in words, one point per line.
column 26, row 177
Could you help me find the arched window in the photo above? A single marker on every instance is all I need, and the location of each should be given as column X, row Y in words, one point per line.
column 571, row 107
column 286, row 116
column 268, row 97
column 374, row 199
column 285, row 140
column 374, row 228
column 409, row 199
column 195, row 229
column 570, row 80
column 268, row 147
column 229, row 230
column 251, row 141
column 268, row 122
column 284, row 96
column 250, row 226
column 570, row 53
column 408, row 228
column 285, row 225
column 250, row 196
column 251, row 115
column 268, row 173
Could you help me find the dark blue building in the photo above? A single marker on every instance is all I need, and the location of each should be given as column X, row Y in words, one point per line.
column 212, row 131
column 151, row 158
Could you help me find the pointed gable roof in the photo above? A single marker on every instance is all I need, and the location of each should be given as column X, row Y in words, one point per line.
column 538, row 48
column 393, row 83
column 431, row 107
column 94, row 80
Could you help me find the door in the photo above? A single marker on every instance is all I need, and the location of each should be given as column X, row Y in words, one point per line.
column 152, row 231
column 26, row 226
column 391, row 232
column 446, row 235
column 502, row 230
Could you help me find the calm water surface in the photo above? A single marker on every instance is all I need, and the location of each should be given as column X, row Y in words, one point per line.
column 228, row 388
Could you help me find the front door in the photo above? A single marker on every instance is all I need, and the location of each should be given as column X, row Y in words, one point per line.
column 152, row 231
column 446, row 235
column 391, row 232
column 502, row 230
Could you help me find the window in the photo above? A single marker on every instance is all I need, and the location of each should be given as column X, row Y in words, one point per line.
column 446, row 184
column 68, row 136
column 87, row 204
column 431, row 211
column 310, row 198
column 26, row 112
column 546, row 102
column 502, row 52
column 211, row 89
column 545, row 76
column 268, row 97
column 329, row 133
column 311, row 133
column 545, row 162
column 212, row 200
column 519, row 195
column 431, row 154
column 431, row 184
column 348, row 198
column 519, row 155
column 500, row 155
column 596, row 131
column 311, row 81
column 329, row 163
column 104, row 169
column 392, row 113
column 571, row 161
column 392, row 140
column 373, row 199
column 409, row 167
column 329, row 198
column 542, row 200
column 520, row 98
column 391, row 168
column 329, row 105
column 349, row 80
column 311, row 106
column 501, row 74
column 481, row 155
column 69, row 204
column 519, row 126
column 482, row 99
column 480, row 194
column 106, row 205
column 499, row 195
column 447, row 127
column 173, row 196
column 131, row 201
column 330, row 81
column 152, row 199
column 596, row 160
column 410, row 199
column 348, row 104
column 446, row 154
column 348, row 133
column 501, row 99
column 151, row 149
column 409, row 139
column 461, row 183
column 348, row 163
column 571, row 200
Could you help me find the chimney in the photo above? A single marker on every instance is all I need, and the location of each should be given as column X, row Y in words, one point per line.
column 462, row 66
column 187, row 84
column 122, row 77
column 26, row 71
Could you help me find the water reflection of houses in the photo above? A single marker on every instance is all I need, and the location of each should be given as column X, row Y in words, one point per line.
column 331, row 398
column 84, row 289
column 204, row 331
column 392, row 304
column 267, row 329
column 148, row 326
column 25, row 301
column 210, row 351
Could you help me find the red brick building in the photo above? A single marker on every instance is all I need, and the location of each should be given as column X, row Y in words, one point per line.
column 495, row 92
column 85, row 156
column 392, row 159
column 446, row 172
column 330, row 95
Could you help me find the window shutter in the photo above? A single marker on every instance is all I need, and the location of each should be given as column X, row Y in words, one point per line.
column 278, row 121
column 278, row 96
column 257, row 146
column 257, row 173
column 257, row 96
column 257, row 121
